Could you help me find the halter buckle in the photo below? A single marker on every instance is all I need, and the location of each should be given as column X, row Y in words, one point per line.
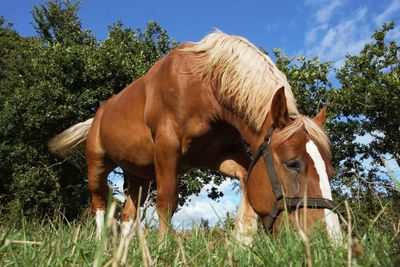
column 267, row 138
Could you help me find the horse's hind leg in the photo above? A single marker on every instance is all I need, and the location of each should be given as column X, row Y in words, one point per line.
column 132, row 202
column 98, row 169
column 97, row 175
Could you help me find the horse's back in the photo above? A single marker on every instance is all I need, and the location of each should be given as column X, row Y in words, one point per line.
column 174, row 93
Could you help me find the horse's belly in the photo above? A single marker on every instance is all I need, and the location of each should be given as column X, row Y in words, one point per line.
column 204, row 150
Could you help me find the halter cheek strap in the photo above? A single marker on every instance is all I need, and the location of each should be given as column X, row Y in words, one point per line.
column 282, row 202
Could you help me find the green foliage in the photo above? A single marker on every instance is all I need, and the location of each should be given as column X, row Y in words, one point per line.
column 308, row 79
column 367, row 104
column 50, row 82
column 57, row 21
column 370, row 95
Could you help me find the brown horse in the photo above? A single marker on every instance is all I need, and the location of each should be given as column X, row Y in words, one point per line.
column 193, row 109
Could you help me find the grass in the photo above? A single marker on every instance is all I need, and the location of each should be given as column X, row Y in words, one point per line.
column 58, row 243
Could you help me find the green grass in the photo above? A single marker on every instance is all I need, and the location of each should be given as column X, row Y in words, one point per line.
column 56, row 243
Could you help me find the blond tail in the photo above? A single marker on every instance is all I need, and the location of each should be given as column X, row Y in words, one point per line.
column 70, row 138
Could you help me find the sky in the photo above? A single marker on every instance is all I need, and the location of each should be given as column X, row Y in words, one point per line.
column 329, row 29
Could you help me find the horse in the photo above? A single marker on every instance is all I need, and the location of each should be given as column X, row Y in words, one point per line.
column 199, row 106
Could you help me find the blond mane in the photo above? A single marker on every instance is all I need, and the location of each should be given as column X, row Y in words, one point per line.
column 245, row 78
column 315, row 132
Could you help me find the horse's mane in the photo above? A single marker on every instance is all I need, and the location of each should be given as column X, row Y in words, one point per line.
column 245, row 78
column 315, row 132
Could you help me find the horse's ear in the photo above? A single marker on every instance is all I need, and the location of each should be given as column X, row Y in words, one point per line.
column 321, row 116
column 279, row 110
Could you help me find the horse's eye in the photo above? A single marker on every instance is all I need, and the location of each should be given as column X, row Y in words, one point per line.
column 294, row 165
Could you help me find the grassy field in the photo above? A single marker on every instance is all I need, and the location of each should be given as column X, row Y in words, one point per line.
column 56, row 242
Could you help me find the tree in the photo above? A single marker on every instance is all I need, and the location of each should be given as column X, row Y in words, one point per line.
column 308, row 79
column 50, row 82
column 370, row 94
column 366, row 106
column 57, row 22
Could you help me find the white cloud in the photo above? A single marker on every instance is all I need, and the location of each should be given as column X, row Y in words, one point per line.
column 394, row 34
column 385, row 16
column 338, row 28
column 392, row 168
column 311, row 35
column 332, row 34
column 325, row 13
column 347, row 36
column 364, row 139
column 201, row 207
column 324, row 9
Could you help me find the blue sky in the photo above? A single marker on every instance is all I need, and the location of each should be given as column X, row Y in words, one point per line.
column 326, row 28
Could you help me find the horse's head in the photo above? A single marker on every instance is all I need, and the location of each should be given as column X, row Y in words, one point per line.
column 291, row 171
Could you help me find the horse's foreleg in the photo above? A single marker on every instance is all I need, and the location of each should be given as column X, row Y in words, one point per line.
column 131, row 204
column 166, row 153
column 234, row 164
column 246, row 221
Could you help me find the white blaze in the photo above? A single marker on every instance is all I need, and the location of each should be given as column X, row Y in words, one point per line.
column 99, row 222
column 331, row 218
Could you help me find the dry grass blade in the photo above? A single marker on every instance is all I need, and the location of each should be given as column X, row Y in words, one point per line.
column 74, row 240
column 125, row 245
column 180, row 244
column 114, row 229
column 124, row 250
column 147, row 203
column 25, row 242
column 110, row 215
column 118, row 255
column 142, row 240
column 230, row 252
column 349, row 240
column 108, row 263
column 203, row 251
column 302, row 229
column 396, row 230
column 111, row 222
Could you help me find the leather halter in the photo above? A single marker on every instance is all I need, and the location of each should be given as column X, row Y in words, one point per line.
column 282, row 202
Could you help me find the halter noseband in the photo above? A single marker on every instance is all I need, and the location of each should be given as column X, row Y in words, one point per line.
column 282, row 202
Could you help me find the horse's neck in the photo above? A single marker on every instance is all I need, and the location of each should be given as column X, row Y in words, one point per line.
column 249, row 134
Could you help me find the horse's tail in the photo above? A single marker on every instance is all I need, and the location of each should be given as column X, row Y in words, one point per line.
column 70, row 138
